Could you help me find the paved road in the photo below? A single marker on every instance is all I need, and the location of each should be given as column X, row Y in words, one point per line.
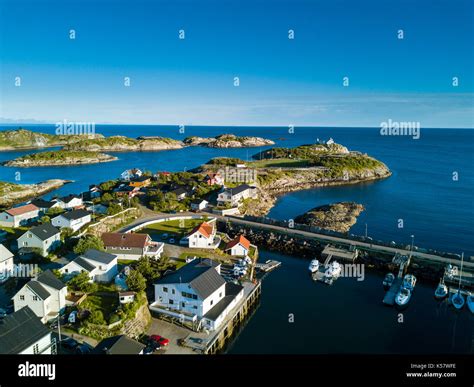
column 309, row 235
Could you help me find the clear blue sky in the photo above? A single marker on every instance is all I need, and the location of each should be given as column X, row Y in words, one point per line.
column 282, row 81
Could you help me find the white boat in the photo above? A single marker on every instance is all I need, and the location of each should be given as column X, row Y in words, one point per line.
column 409, row 282
column 470, row 302
column 458, row 300
column 388, row 280
column 451, row 271
column 314, row 266
column 441, row 291
column 403, row 296
column 334, row 270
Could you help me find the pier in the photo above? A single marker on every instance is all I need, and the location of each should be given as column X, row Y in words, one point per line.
column 268, row 266
column 403, row 261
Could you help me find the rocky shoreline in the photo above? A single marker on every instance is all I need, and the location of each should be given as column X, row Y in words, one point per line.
column 65, row 158
column 227, row 141
column 11, row 193
column 125, row 144
column 338, row 217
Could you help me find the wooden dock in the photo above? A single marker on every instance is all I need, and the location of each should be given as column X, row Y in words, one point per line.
column 268, row 266
column 320, row 274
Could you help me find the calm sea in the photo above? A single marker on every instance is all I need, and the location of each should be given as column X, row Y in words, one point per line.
column 347, row 317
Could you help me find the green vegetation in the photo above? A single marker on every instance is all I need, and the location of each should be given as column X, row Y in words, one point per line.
column 89, row 242
column 178, row 227
column 136, row 282
column 81, row 283
column 225, row 161
column 279, row 163
column 61, row 156
column 339, row 164
column 300, row 152
column 118, row 142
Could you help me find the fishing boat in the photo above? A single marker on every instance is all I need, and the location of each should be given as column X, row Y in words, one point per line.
column 470, row 302
column 334, row 270
column 458, row 299
column 388, row 280
column 314, row 266
column 441, row 291
column 403, row 297
column 409, row 282
column 451, row 271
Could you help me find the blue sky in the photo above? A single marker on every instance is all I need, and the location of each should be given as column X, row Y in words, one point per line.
column 282, row 81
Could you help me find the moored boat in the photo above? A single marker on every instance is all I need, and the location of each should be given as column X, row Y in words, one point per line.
column 314, row 266
column 470, row 302
column 403, row 297
column 441, row 291
column 458, row 300
column 409, row 282
column 388, row 280
column 334, row 270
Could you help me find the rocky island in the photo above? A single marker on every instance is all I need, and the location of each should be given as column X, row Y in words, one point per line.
column 27, row 139
column 338, row 217
column 125, row 144
column 11, row 193
column 59, row 158
column 282, row 170
column 227, row 141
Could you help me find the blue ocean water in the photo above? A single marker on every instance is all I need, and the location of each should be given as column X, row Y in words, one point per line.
column 297, row 315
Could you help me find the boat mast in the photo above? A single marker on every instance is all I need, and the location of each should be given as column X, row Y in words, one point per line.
column 460, row 274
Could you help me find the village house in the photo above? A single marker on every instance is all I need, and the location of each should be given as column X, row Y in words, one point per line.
column 140, row 182
column 214, row 179
column 19, row 216
column 22, row 333
column 132, row 246
column 45, row 205
column 203, row 236
column 130, row 174
column 182, row 192
column 70, row 202
column 199, row 204
column 126, row 190
column 74, row 219
column 44, row 237
column 45, row 296
column 99, row 265
column 239, row 246
column 119, row 345
column 6, row 263
column 126, row 297
column 234, row 196
column 197, row 293
column 94, row 192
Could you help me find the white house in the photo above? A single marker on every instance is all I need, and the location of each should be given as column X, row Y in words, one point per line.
column 19, row 216
column 203, row 236
column 44, row 237
column 45, row 205
column 198, row 293
column 6, row 263
column 199, row 204
column 239, row 246
column 126, row 297
column 130, row 174
column 131, row 246
column 101, row 266
column 234, row 196
column 74, row 219
column 22, row 333
column 70, row 201
column 45, row 296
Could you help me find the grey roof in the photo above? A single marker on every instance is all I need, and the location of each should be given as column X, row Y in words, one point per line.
column 84, row 264
column 44, row 231
column 68, row 198
column 41, row 203
column 119, row 345
column 201, row 276
column 99, row 256
column 20, row 330
column 75, row 214
column 239, row 189
column 231, row 291
column 48, row 278
column 38, row 289
column 5, row 253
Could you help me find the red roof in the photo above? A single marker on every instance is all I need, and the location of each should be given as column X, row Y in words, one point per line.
column 22, row 210
column 239, row 239
column 124, row 240
column 204, row 228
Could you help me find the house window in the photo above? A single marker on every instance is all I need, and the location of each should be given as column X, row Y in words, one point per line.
column 173, row 291
column 35, row 298
column 220, row 294
column 165, row 289
column 212, row 302
column 195, row 307
column 195, row 297
column 36, row 349
column 183, row 304
column 171, row 302
column 22, row 298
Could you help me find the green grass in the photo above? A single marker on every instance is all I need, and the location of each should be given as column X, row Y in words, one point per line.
column 178, row 227
column 279, row 163
column 106, row 304
column 59, row 155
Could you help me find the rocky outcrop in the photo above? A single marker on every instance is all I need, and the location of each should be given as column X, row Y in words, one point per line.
column 338, row 217
column 227, row 141
column 11, row 193
column 59, row 158
column 125, row 144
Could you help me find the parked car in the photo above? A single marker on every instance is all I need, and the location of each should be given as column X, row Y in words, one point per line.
column 164, row 236
column 160, row 340
column 3, row 313
column 171, row 240
column 69, row 343
column 152, row 347
column 83, row 349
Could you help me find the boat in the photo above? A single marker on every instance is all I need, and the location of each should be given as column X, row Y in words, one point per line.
column 441, row 291
column 314, row 266
column 451, row 271
column 470, row 302
column 458, row 299
column 409, row 282
column 388, row 280
column 334, row 270
column 403, row 296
